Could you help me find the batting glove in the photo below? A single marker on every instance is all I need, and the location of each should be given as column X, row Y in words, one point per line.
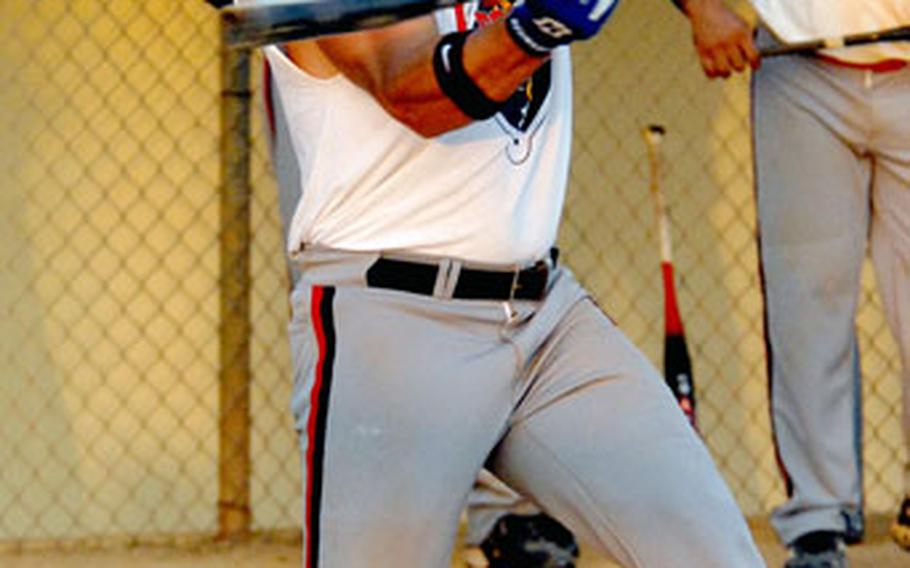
column 539, row 26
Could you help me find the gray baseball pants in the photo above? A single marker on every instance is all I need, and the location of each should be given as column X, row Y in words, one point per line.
column 832, row 157
column 490, row 499
column 399, row 399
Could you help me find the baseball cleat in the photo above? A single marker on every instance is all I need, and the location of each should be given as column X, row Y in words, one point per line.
column 818, row 549
column 530, row 541
column 900, row 528
column 855, row 530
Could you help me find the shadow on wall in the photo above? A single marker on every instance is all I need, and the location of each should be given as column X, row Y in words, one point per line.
column 37, row 450
column 109, row 268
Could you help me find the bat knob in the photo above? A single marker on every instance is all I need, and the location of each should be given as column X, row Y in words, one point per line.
column 654, row 133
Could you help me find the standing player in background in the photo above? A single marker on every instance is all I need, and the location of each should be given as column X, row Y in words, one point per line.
column 832, row 165
column 504, row 529
column 434, row 331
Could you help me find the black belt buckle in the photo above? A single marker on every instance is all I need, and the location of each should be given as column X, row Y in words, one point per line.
column 527, row 284
column 531, row 283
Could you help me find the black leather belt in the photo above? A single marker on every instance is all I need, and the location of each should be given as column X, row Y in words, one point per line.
column 472, row 284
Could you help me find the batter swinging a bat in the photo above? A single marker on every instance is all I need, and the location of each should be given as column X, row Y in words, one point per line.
column 435, row 330
column 503, row 529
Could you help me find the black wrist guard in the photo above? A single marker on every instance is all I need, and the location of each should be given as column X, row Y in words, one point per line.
column 454, row 81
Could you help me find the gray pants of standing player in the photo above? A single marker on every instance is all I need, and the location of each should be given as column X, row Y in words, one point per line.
column 399, row 399
column 832, row 154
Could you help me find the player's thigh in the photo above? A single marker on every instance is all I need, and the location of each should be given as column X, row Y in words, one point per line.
column 890, row 233
column 891, row 186
column 811, row 178
column 395, row 421
column 813, row 206
column 616, row 460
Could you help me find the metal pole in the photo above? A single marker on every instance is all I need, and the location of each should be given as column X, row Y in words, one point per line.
column 234, row 514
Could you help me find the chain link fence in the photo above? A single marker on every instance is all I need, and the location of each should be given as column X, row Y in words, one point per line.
column 110, row 281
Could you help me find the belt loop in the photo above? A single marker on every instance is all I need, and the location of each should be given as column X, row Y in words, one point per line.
column 516, row 275
column 441, row 288
column 447, row 278
column 454, row 274
column 452, row 280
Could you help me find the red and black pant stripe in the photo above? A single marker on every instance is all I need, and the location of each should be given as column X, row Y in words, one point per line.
column 324, row 327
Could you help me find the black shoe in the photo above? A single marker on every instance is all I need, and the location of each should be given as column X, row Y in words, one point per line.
column 900, row 528
column 855, row 529
column 534, row 541
column 818, row 549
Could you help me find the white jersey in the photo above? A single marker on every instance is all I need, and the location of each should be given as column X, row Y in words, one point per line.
column 801, row 20
column 489, row 192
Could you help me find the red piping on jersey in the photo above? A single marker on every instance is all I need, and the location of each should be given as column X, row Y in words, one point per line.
column 461, row 21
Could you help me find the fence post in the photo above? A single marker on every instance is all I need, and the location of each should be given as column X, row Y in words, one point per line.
column 234, row 516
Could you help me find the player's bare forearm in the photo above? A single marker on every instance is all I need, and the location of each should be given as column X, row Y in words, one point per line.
column 395, row 65
column 723, row 40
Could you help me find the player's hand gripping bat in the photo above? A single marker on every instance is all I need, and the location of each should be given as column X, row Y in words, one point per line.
column 677, row 365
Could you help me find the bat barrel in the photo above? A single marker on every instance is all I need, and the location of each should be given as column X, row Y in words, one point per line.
column 250, row 26
column 901, row 33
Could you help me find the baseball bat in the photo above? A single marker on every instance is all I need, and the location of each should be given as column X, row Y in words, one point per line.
column 250, row 26
column 677, row 364
column 901, row 33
